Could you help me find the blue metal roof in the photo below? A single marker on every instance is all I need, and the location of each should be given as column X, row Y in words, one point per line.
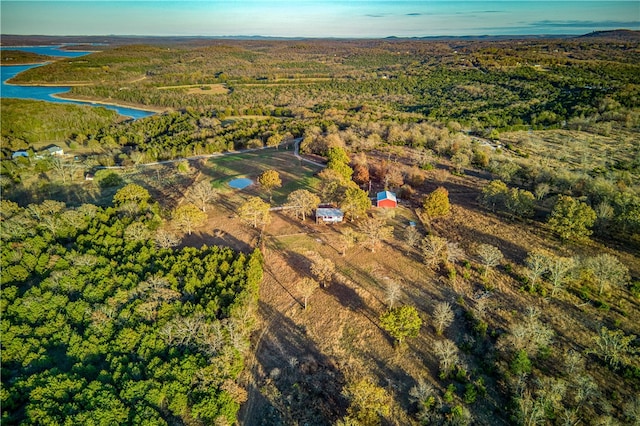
column 387, row 195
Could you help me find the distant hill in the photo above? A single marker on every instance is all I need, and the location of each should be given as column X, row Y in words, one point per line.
column 626, row 35
column 115, row 40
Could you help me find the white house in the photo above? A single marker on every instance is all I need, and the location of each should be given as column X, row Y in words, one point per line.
column 54, row 150
column 329, row 215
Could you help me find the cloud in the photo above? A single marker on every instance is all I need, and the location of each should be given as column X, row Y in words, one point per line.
column 583, row 24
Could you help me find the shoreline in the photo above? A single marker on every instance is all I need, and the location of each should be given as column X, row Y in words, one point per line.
column 156, row 110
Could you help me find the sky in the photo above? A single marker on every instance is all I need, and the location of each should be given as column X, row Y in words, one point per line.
column 307, row 18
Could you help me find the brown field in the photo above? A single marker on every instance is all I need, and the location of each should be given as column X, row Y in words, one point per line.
column 200, row 89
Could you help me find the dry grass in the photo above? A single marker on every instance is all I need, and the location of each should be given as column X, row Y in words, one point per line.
column 200, row 89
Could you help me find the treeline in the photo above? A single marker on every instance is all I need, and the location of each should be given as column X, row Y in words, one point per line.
column 17, row 57
column 27, row 124
column 101, row 325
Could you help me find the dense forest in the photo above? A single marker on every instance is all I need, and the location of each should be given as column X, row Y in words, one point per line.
column 503, row 289
column 101, row 325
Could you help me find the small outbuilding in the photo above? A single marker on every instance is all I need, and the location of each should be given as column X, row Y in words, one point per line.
column 20, row 153
column 329, row 215
column 387, row 199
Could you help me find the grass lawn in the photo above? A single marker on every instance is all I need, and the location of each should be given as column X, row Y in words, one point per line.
column 294, row 174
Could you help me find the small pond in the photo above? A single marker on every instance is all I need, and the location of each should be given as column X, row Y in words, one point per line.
column 240, row 183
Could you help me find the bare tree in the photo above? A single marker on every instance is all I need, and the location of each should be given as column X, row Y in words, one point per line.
column 392, row 293
column 434, row 250
column 442, row 317
column 424, row 396
column 559, row 270
column 302, row 202
column 454, row 252
column 323, row 270
column 614, row 346
column 188, row 216
column 411, row 236
column 607, row 271
column 536, row 263
column 202, row 194
column 490, row 256
column 166, row 239
column 348, row 238
column 632, row 410
column 307, row 286
column 529, row 335
column 447, row 353
column 374, row 231
column 137, row 231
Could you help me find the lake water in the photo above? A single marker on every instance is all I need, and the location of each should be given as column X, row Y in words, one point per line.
column 42, row 93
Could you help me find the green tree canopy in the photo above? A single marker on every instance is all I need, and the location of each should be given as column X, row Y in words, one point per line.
column 339, row 161
column 131, row 193
column 355, row 203
column 436, row 204
column 572, row 219
column 401, row 322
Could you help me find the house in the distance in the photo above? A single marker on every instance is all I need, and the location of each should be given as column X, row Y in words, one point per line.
column 53, row 150
column 329, row 215
column 387, row 199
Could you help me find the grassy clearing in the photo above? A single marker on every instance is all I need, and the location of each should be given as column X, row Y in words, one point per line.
column 294, row 174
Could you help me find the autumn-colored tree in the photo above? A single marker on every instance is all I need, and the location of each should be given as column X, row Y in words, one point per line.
column 255, row 212
column 188, row 216
column 269, row 180
column 275, row 139
column 401, row 322
column 436, row 204
column 361, row 174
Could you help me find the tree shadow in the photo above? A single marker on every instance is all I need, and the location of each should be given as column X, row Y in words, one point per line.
column 215, row 238
column 299, row 384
